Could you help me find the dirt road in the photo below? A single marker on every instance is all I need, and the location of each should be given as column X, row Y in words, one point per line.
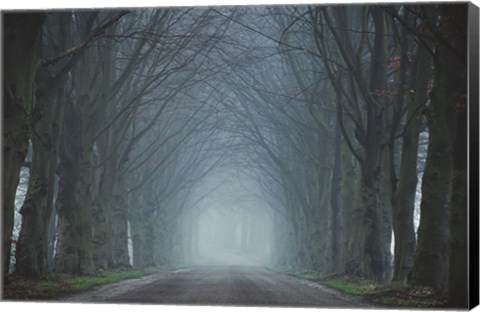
column 220, row 285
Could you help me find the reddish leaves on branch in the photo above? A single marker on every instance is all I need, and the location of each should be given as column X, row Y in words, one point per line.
column 394, row 62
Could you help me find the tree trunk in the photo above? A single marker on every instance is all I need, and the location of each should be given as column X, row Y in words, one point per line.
column 32, row 252
column 350, row 177
column 336, row 250
column 376, row 168
column 102, row 255
column 431, row 260
column 120, row 226
column 149, row 246
column 101, row 210
column 318, row 236
column 138, row 243
column 36, row 211
column 149, row 243
column 370, row 253
column 404, row 198
column 19, row 69
column 375, row 222
column 160, row 233
column 52, row 235
column 137, row 229
column 75, row 248
column 369, row 250
column 75, row 198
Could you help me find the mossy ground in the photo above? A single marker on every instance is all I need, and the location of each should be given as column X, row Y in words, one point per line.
column 386, row 295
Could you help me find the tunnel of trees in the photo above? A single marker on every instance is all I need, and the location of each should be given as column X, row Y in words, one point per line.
column 327, row 138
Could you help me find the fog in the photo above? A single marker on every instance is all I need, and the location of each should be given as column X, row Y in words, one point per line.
column 233, row 226
column 233, row 237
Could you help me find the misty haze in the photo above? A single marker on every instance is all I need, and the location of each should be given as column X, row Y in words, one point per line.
column 299, row 156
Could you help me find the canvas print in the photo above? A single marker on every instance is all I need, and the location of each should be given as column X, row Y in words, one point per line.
column 312, row 155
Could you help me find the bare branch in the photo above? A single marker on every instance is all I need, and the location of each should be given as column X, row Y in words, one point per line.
column 85, row 42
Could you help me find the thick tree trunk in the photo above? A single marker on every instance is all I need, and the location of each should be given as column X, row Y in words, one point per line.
column 430, row 265
column 81, row 202
column 120, row 226
column 350, row 177
column 376, row 168
column 102, row 211
column 36, row 211
column 32, row 252
column 404, row 198
column 369, row 255
column 319, row 236
column 102, row 255
column 75, row 194
column 369, row 249
column 149, row 245
column 138, row 239
column 302, row 241
column 19, row 69
column 375, row 224
column 369, row 252
column 108, row 210
column 159, row 241
column 431, row 260
column 75, row 248
column 138, row 225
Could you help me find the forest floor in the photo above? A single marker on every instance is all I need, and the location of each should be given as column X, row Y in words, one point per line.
column 394, row 295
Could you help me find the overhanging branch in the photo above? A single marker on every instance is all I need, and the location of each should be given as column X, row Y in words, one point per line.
column 85, row 42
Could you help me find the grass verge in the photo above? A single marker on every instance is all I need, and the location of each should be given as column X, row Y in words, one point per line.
column 386, row 295
column 390, row 294
column 20, row 288
column 307, row 275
